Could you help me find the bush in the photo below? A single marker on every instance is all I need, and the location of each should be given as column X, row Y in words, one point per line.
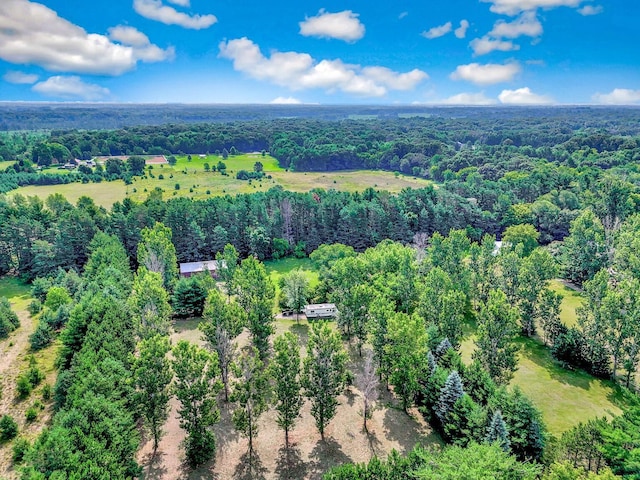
column 9, row 321
column 31, row 414
column 23, row 386
column 177, row 186
column 8, row 428
column 46, row 392
column 41, row 337
column 20, row 448
column 39, row 288
column 35, row 307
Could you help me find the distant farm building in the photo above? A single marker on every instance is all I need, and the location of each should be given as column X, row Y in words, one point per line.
column 320, row 310
column 192, row 268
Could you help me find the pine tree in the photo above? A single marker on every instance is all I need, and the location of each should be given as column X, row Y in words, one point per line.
column 149, row 303
column 157, row 254
column 497, row 432
column 449, row 395
column 285, row 371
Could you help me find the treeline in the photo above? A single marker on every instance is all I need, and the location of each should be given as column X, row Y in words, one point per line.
column 38, row 237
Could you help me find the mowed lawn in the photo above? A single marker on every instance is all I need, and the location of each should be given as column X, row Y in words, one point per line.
column 565, row 397
column 571, row 300
column 190, row 179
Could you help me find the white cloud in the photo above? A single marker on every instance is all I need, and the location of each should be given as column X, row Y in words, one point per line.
column 590, row 10
column 469, row 99
column 514, row 7
column 402, row 15
column 31, row 33
column 618, row 96
column 523, row 96
column 70, row 87
column 156, row 10
column 527, row 24
column 461, row 31
column 181, row 3
column 300, row 71
column 341, row 25
column 438, row 31
column 484, row 45
column 143, row 49
column 486, row 74
column 285, row 101
column 20, row 77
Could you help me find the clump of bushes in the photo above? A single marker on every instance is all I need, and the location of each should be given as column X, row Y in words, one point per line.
column 8, row 428
column 9, row 321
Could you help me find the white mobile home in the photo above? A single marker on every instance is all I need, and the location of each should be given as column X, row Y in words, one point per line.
column 320, row 310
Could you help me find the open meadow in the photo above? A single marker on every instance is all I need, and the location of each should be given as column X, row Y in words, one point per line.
column 188, row 178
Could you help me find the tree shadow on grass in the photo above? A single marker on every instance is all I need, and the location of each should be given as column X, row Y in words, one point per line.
column 326, row 454
column 290, row 465
column 301, row 330
column 250, row 470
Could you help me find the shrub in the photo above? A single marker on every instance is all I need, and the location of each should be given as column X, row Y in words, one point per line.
column 177, row 186
column 20, row 448
column 8, row 428
column 31, row 414
column 35, row 307
column 46, row 392
column 9, row 321
column 161, row 177
column 41, row 337
column 23, row 386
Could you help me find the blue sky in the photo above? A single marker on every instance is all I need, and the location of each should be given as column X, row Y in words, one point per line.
column 329, row 51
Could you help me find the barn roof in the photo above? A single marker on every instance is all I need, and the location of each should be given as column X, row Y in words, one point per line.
column 195, row 267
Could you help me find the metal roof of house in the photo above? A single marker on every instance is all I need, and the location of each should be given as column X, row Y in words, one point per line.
column 315, row 306
column 195, row 267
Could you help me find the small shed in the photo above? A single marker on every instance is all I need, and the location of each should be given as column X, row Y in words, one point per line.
column 320, row 310
column 191, row 268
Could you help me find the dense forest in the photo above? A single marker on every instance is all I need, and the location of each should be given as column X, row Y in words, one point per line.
column 413, row 275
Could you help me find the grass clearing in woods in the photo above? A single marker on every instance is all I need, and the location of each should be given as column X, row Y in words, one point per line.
column 570, row 301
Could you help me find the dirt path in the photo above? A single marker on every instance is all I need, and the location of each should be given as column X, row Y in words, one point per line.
column 308, row 456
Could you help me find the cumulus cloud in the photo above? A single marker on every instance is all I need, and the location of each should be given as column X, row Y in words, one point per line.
column 523, row 96
column 526, row 24
column 142, row 46
column 488, row 74
column 31, row 33
column 181, row 3
column 156, row 10
column 300, row 71
column 70, row 87
column 20, row 77
column 590, row 10
column 484, row 45
column 341, row 25
column 438, row 31
column 461, row 31
column 618, row 96
column 469, row 99
column 285, row 101
column 514, row 7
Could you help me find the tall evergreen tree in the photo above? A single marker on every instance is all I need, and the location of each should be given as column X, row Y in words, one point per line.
column 449, row 395
column 149, row 303
column 157, row 254
column 497, row 432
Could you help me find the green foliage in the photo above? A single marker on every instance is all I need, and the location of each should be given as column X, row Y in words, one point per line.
column 190, row 295
column 451, row 392
column 524, row 234
column 152, row 375
column 20, row 448
column 9, row 321
column 149, row 304
column 31, row 414
column 295, row 290
column 285, row 372
column 497, row 432
column 8, row 428
column 256, row 294
column 497, row 331
column 41, row 337
column 196, row 387
column 406, row 350
column 157, row 254
column 324, row 370
column 251, row 394
column 56, row 297
column 585, row 249
column 23, row 386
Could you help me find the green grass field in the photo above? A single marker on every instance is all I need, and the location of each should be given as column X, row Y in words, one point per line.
column 6, row 163
column 572, row 300
column 16, row 291
column 194, row 182
column 277, row 268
